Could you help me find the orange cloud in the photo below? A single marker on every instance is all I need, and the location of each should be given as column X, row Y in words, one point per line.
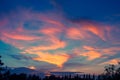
column 103, row 51
column 88, row 30
column 111, row 50
column 51, row 31
column 32, row 67
column 55, row 43
column 96, row 30
column 57, row 59
column 58, row 23
column 75, row 33
column 112, row 61
column 89, row 48
column 102, row 31
column 20, row 36
column 108, row 51
column 91, row 55
column 94, row 52
column 87, row 52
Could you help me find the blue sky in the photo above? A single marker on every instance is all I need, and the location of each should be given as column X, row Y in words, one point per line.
column 60, row 35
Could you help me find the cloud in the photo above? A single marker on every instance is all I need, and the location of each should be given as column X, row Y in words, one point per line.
column 51, row 31
column 16, row 29
column 86, row 30
column 112, row 61
column 75, row 33
column 89, row 48
column 32, row 67
column 51, row 25
column 111, row 50
column 54, row 44
column 56, row 59
column 20, row 36
column 92, row 53
column 98, row 30
column 104, row 51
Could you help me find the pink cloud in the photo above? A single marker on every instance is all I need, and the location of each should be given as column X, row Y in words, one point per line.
column 87, row 30
column 55, row 43
column 32, row 67
column 112, row 61
column 20, row 36
column 92, row 53
column 97, row 30
column 75, row 33
column 89, row 48
column 51, row 31
column 104, row 51
column 89, row 54
column 49, row 27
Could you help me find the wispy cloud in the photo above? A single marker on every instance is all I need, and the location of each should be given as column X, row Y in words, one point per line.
column 20, row 36
column 93, row 53
column 112, row 61
column 85, row 30
column 89, row 54
column 54, row 44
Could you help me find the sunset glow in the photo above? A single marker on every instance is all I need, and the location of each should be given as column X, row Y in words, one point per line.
column 54, row 38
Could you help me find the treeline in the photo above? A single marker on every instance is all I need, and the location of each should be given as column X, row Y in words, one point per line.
column 111, row 72
column 22, row 76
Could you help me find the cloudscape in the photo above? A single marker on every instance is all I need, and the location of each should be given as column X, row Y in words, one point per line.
column 60, row 35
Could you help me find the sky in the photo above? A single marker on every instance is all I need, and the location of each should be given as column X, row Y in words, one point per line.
column 60, row 35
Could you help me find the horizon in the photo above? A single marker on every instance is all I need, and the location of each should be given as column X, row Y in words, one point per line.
column 60, row 35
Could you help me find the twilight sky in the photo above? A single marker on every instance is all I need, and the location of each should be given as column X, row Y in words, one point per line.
column 60, row 35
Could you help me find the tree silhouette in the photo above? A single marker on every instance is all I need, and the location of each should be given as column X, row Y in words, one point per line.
column 1, row 64
column 112, row 72
column 110, row 69
column 118, row 69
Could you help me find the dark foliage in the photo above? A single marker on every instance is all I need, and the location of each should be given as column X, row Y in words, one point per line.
column 1, row 64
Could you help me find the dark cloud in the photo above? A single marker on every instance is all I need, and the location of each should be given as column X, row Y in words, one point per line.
column 20, row 57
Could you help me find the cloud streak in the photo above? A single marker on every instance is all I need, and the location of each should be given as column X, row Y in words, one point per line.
column 85, row 30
